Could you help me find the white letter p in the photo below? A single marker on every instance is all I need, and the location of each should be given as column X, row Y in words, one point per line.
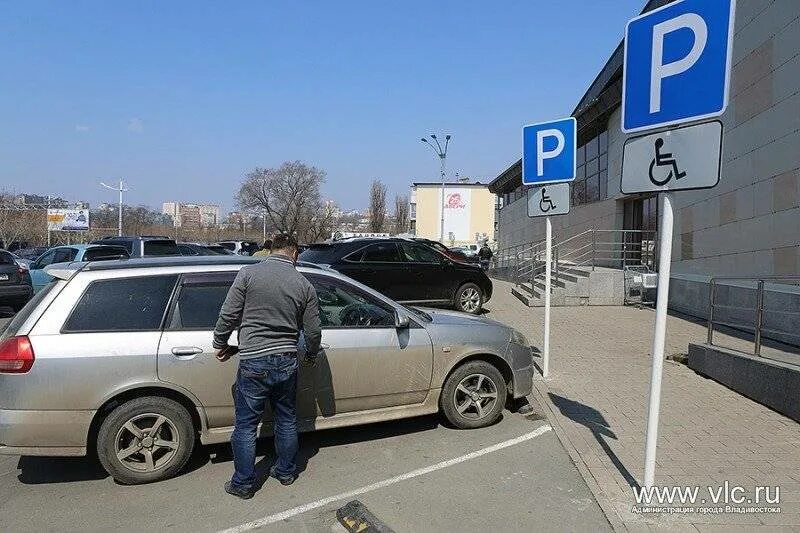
column 541, row 153
column 659, row 70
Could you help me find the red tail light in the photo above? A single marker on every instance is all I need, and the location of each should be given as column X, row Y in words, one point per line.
column 16, row 355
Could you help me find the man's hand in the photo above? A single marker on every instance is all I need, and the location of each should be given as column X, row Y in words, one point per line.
column 226, row 353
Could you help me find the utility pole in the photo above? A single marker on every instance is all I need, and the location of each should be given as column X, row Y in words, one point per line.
column 441, row 152
column 119, row 189
column 48, row 221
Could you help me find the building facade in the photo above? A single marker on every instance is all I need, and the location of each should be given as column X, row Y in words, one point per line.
column 192, row 215
column 469, row 212
column 747, row 225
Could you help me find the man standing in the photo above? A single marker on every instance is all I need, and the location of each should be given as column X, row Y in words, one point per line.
column 270, row 303
column 485, row 255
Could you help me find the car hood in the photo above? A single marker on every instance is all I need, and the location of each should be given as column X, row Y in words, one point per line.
column 457, row 318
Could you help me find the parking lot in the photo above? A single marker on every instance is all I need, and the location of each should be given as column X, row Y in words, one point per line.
column 414, row 475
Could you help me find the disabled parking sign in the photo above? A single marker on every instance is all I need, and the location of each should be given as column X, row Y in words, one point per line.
column 549, row 199
column 548, row 151
column 677, row 64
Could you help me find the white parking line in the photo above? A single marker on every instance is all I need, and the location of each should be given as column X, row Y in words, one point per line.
column 283, row 515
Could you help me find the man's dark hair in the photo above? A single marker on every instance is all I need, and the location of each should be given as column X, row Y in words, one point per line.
column 284, row 241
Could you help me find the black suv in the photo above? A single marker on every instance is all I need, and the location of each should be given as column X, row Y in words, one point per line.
column 406, row 271
column 143, row 246
column 15, row 282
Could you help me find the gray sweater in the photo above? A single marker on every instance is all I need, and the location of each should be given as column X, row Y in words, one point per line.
column 270, row 302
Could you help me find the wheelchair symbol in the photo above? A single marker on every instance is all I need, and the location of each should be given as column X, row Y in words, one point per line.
column 664, row 160
column 545, row 201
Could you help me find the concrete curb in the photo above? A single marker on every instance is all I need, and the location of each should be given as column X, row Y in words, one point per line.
column 540, row 391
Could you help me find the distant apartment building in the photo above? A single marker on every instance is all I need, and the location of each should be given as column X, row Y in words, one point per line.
column 191, row 215
column 469, row 212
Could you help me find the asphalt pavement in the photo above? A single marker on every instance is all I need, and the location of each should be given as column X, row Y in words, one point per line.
column 413, row 475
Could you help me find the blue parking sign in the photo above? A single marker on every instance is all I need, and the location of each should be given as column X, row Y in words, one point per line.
column 677, row 64
column 548, row 151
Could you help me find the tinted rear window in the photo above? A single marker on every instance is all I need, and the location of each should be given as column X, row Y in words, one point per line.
column 123, row 304
column 6, row 258
column 228, row 246
column 104, row 253
column 382, row 252
column 161, row 248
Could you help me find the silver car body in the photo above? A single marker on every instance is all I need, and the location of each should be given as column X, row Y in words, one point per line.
column 364, row 375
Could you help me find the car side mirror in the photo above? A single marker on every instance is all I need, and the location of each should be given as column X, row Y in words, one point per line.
column 401, row 320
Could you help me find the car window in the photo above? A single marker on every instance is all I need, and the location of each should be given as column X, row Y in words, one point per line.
column 343, row 306
column 6, row 258
column 228, row 246
column 417, row 253
column 45, row 259
column 200, row 300
column 122, row 304
column 381, row 252
column 165, row 247
column 64, row 255
column 104, row 253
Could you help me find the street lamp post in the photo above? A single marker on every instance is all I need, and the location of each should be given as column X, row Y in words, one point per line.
column 119, row 189
column 441, row 152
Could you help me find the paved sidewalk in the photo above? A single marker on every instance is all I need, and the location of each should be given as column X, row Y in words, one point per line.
column 597, row 394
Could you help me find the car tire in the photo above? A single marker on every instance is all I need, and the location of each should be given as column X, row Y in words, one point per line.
column 473, row 395
column 469, row 299
column 133, row 452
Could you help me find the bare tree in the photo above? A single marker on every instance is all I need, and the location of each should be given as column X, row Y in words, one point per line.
column 377, row 206
column 401, row 208
column 289, row 195
column 322, row 224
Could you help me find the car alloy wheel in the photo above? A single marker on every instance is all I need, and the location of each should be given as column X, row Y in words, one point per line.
column 475, row 396
column 147, row 442
column 470, row 300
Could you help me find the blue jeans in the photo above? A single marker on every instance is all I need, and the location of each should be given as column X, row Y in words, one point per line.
column 270, row 378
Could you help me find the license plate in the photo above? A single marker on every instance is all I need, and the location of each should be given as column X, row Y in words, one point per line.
column 3, row 277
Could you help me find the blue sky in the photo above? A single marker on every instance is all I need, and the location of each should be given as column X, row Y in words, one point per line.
column 183, row 98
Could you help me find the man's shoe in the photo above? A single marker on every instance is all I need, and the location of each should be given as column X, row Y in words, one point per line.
column 288, row 480
column 239, row 492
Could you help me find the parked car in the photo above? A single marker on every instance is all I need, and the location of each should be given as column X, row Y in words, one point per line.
column 407, row 271
column 144, row 245
column 192, row 248
column 31, row 254
column 74, row 252
column 240, row 247
column 15, row 282
column 129, row 344
column 24, row 263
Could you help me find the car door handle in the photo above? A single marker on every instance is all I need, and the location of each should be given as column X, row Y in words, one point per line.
column 186, row 350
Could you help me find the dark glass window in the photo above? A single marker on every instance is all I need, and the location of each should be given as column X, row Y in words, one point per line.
column 603, row 184
column 160, row 248
column 592, row 167
column 592, row 189
column 581, row 155
column 198, row 304
column 344, row 306
column 416, row 253
column 592, row 149
column 6, row 258
column 603, row 142
column 104, row 253
column 64, row 255
column 383, row 252
column 580, row 172
column 603, row 162
column 122, row 304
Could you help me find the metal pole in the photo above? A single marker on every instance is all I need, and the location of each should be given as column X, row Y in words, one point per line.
column 547, row 259
column 119, row 221
column 265, row 227
column 443, row 159
column 47, row 221
column 659, row 337
column 594, row 246
column 759, row 316
column 712, row 290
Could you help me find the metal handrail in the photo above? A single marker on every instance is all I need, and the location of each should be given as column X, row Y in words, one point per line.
column 758, row 322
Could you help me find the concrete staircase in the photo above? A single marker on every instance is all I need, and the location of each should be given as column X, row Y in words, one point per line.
column 574, row 285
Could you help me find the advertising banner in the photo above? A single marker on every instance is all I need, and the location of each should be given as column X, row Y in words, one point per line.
column 67, row 220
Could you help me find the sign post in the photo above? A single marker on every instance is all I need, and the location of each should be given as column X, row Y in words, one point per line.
column 548, row 161
column 676, row 70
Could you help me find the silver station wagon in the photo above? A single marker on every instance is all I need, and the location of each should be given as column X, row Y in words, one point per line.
column 115, row 358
